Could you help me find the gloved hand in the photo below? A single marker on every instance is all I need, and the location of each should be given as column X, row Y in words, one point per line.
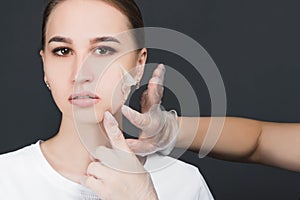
column 159, row 129
column 118, row 174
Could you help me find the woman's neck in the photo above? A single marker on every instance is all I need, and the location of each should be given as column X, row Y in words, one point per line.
column 69, row 152
column 66, row 153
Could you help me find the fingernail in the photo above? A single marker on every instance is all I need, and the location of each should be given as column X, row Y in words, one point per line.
column 162, row 66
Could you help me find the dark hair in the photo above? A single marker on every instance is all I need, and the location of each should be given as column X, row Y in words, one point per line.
column 128, row 7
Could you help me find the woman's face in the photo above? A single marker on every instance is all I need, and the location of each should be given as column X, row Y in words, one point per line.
column 84, row 56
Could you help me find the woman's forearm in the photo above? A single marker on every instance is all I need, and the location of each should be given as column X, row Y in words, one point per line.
column 245, row 140
column 237, row 136
column 279, row 145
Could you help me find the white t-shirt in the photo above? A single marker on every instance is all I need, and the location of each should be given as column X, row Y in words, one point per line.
column 26, row 175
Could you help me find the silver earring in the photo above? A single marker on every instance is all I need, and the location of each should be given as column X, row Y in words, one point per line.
column 48, row 85
column 137, row 86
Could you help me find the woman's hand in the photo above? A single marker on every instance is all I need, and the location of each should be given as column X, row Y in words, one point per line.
column 159, row 129
column 118, row 174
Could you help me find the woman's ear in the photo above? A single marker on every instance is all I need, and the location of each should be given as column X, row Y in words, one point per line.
column 141, row 61
column 42, row 55
column 43, row 60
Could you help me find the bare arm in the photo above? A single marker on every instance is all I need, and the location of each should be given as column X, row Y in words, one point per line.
column 241, row 139
column 246, row 140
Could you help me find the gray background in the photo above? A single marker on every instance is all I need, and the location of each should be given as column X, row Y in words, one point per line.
column 255, row 45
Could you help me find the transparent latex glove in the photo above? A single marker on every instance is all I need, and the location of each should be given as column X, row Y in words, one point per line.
column 118, row 174
column 159, row 129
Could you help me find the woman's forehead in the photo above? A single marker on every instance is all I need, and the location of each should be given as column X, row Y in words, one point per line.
column 86, row 18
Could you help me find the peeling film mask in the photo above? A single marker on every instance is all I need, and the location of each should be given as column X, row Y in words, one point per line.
column 127, row 82
column 110, row 72
column 112, row 82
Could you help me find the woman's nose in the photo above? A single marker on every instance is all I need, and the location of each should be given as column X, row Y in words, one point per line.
column 83, row 72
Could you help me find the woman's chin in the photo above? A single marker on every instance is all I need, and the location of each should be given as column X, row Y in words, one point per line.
column 87, row 116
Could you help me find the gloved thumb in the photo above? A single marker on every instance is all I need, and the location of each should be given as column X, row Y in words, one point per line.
column 139, row 147
column 115, row 135
column 136, row 118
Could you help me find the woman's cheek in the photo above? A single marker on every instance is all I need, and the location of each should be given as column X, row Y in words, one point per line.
column 110, row 88
column 118, row 97
column 59, row 100
column 111, row 94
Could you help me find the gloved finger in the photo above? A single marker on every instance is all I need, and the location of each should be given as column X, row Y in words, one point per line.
column 155, row 86
column 160, row 73
column 116, row 159
column 137, row 119
column 154, row 92
column 139, row 147
column 155, row 89
column 145, row 103
column 96, row 185
column 106, row 156
column 115, row 135
column 97, row 170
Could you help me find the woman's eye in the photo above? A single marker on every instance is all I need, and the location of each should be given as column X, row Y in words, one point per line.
column 104, row 51
column 62, row 51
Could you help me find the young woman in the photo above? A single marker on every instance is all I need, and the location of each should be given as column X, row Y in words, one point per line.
column 84, row 69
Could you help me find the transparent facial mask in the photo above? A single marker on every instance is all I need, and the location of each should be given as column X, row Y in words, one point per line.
column 92, row 133
column 111, row 82
column 128, row 81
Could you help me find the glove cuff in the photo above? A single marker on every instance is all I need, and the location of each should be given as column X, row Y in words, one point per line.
column 171, row 130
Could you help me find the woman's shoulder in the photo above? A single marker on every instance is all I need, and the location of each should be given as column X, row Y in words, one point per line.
column 19, row 165
column 157, row 162
column 175, row 179
column 20, row 156
column 165, row 166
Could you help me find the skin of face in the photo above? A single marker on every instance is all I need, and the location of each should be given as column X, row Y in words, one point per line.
column 77, row 61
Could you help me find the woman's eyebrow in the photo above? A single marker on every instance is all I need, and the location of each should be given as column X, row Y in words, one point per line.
column 104, row 39
column 60, row 39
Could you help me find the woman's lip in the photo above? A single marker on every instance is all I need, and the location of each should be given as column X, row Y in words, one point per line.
column 83, row 94
column 84, row 103
column 84, row 99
